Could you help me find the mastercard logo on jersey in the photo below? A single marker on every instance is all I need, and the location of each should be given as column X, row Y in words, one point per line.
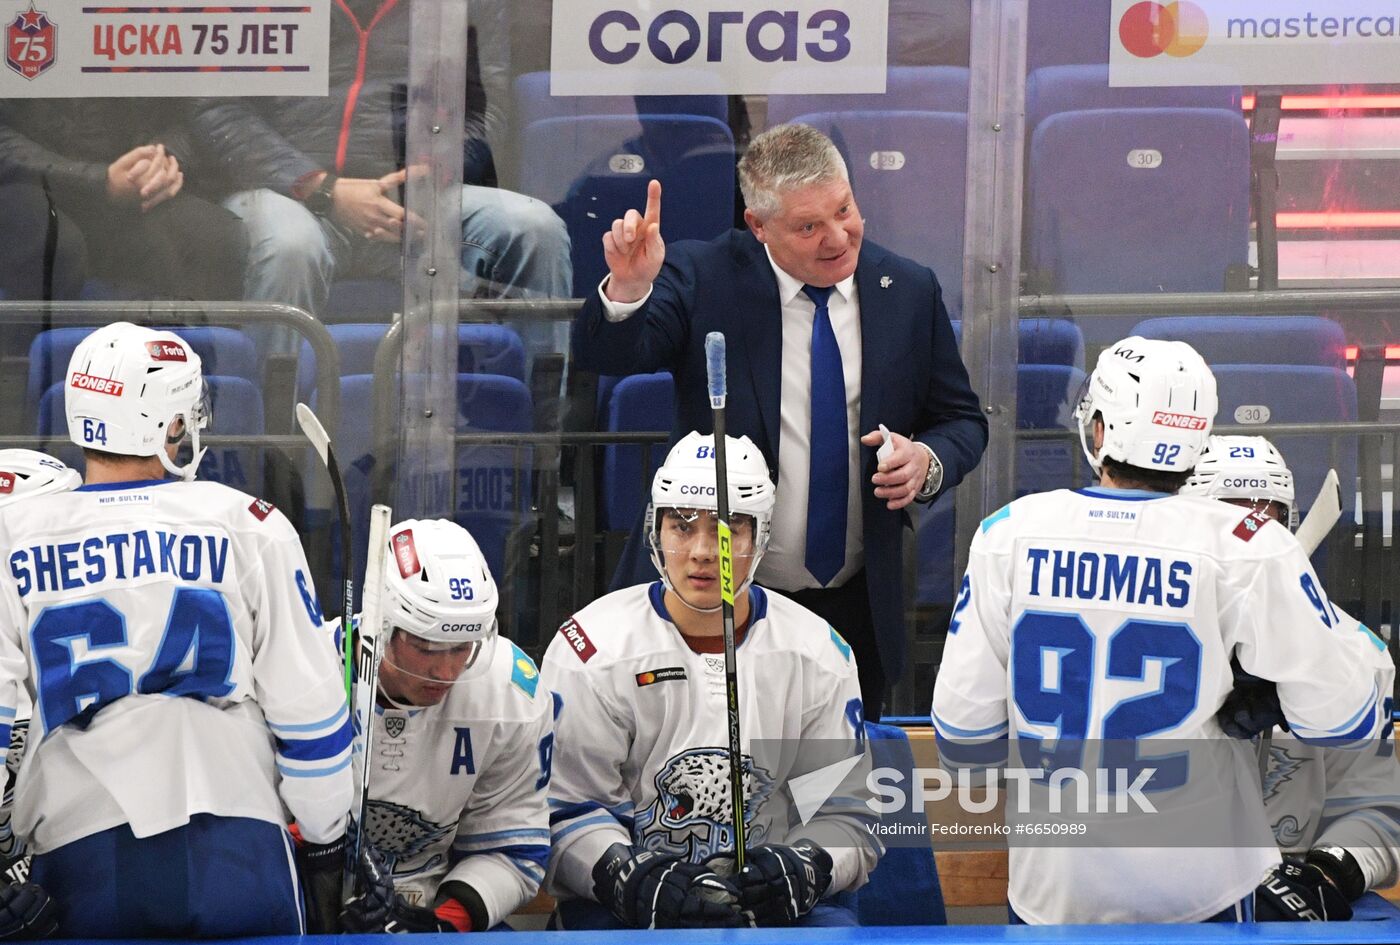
column 660, row 675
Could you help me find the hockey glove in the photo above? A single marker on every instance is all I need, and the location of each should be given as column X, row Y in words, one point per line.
column 1299, row 892
column 322, row 868
column 26, row 911
column 779, row 884
column 378, row 908
column 651, row 890
column 1250, row 708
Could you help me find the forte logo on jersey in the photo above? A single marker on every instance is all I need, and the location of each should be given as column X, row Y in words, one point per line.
column 578, row 640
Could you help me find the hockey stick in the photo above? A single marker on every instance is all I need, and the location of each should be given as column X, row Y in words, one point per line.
column 311, row 426
column 368, row 653
column 1325, row 511
column 715, row 375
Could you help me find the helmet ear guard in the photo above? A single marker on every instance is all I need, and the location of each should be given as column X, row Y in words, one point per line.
column 127, row 385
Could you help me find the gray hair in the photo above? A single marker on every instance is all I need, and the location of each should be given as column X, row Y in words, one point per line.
column 784, row 158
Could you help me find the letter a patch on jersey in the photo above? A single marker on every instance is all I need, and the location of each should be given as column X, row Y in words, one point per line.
column 1249, row 526
column 578, row 640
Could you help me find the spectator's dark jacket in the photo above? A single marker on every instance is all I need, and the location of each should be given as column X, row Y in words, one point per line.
column 357, row 131
column 71, row 142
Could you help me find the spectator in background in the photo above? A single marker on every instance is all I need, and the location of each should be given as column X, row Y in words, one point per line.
column 319, row 180
column 115, row 172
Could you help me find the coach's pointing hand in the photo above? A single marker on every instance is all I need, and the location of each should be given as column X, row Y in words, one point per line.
column 634, row 250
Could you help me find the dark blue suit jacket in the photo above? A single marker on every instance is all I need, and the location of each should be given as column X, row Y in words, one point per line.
column 912, row 378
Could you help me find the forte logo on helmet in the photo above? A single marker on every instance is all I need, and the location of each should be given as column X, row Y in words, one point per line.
column 406, row 553
column 166, row 351
column 98, row 385
column 1179, row 421
column 7, row 483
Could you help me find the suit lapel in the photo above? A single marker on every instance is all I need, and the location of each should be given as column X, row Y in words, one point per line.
column 758, row 307
column 871, row 294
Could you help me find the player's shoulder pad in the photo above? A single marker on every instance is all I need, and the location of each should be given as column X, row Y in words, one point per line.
column 524, row 674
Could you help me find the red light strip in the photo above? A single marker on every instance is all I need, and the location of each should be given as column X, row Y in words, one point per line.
column 1335, row 220
column 1312, row 103
column 1352, row 352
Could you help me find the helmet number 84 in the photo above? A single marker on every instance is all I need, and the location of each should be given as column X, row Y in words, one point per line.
column 94, row 431
column 460, row 588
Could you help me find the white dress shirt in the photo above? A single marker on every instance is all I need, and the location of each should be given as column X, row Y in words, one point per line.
column 783, row 568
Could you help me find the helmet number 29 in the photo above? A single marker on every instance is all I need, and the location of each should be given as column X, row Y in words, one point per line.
column 94, row 431
column 460, row 588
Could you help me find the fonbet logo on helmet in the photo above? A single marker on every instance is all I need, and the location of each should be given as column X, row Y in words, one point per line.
column 686, row 480
column 127, row 388
column 1156, row 401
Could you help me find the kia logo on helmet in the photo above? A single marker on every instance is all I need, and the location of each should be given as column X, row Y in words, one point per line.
column 697, row 490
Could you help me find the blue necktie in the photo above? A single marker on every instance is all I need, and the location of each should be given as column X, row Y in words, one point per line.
column 828, row 476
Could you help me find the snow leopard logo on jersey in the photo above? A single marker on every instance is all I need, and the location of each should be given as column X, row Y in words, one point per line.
column 1288, row 833
column 402, row 834
column 691, row 816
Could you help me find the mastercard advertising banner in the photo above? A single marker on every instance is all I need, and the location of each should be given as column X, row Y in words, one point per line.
column 1253, row 42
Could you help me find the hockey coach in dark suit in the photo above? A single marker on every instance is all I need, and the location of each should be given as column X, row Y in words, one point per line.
column 828, row 337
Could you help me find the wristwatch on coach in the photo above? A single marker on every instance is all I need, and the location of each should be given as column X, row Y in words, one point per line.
column 322, row 200
column 934, row 478
column 1341, row 868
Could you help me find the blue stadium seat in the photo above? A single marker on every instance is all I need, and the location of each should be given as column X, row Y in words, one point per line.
column 1077, row 88
column 909, row 169
column 1296, row 394
column 223, row 351
column 638, row 403
column 1254, row 339
column 237, row 407
column 904, row 888
column 490, row 492
column 593, row 168
column 1099, row 222
column 1050, row 341
column 1059, row 32
column 481, row 349
column 1045, row 398
column 533, row 102
column 907, row 89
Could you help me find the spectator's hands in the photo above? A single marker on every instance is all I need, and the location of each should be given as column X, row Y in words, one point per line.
column 634, row 250
column 364, row 206
column 146, row 175
column 901, row 476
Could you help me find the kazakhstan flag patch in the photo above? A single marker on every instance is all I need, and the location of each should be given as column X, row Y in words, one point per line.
column 523, row 672
column 840, row 643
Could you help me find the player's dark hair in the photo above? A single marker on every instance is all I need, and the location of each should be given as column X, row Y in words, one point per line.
column 1151, row 480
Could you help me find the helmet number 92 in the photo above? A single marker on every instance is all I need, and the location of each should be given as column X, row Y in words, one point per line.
column 94, row 431
column 1165, row 453
column 460, row 588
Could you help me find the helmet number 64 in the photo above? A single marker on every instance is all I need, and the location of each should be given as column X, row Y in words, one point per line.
column 94, row 431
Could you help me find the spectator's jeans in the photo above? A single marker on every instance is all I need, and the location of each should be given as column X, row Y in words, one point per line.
column 513, row 246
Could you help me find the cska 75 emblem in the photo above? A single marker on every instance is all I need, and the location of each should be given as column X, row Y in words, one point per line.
column 29, row 43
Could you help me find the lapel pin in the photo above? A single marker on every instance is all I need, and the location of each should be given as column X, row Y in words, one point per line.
column 886, row 282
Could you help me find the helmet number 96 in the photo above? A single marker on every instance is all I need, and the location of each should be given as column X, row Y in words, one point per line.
column 94, row 431
column 460, row 588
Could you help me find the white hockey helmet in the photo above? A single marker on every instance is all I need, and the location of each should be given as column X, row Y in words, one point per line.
column 1244, row 467
column 686, row 480
column 1157, row 401
column 438, row 586
column 127, row 384
column 26, row 473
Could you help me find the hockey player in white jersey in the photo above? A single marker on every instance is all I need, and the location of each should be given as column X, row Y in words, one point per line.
column 1337, row 812
column 185, row 698
column 463, row 737
column 640, row 799
column 25, row 909
column 1112, row 613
